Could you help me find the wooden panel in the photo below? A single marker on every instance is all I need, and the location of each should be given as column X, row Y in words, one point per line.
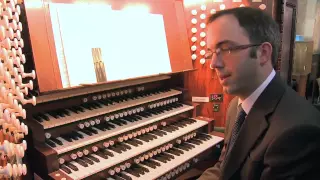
column 183, row 35
column 42, row 40
column 204, row 81
column 286, row 17
column 42, row 51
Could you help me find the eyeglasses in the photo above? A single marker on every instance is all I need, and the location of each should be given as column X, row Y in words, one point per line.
column 223, row 51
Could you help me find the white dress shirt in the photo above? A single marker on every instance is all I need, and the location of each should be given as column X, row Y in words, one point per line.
column 249, row 101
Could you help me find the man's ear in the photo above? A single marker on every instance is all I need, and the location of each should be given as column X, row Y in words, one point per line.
column 265, row 53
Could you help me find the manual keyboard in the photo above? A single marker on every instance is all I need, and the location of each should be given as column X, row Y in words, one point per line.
column 94, row 134
column 76, row 113
column 113, row 156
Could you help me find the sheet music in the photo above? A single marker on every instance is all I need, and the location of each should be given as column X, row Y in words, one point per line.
column 128, row 44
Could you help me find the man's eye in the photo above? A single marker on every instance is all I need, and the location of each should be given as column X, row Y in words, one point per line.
column 225, row 46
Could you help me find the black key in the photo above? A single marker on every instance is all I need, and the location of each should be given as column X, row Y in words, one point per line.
column 160, row 159
column 173, row 127
column 86, row 132
column 66, row 112
column 177, row 150
column 137, row 141
column 126, row 177
column 73, row 136
column 129, row 119
column 195, row 141
column 101, row 154
column 159, row 131
column 156, row 133
column 122, row 121
column 66, row 169
column 103, row 102
column 155, row 162
column 81, row 162
column 168, row 155
column 191, row 146
column 148, row 137
column 116, row 177
column 45, row 117
column 137, row 117
column 152, row 136
column 132, row 143
column 111, row 125
column 53, row 114
column 116, row 122
column 183, row 147
column 74, row 110
column 73, row 167
column 60, row 113
column 147, row 163
column 66, row 137
column 77, row 134
column 116, row 149
column 142, row 138
column 97, row 104
column 204, row 136
column 87, row 160
column 79, row 108
column 57, row 141
column 143, row 168
column 163, row 156
column 86, row 106
column 143, row 115
column 137, row 169
column 166, row 129
column 92, row 130
column 100, row 127
column 93, row 158
column 37, row 118
column 50, row 143
column 173, row 152
column 134, row 173
column 126, row 146
column 105, row 151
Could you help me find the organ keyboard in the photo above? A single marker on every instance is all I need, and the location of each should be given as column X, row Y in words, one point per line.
column 141, row 131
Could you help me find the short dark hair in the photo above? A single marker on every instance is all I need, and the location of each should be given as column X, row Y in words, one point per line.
column 259, row 26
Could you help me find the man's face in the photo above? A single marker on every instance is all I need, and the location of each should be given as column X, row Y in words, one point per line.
column 235, row 69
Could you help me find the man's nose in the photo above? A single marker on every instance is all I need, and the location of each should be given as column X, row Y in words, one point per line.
column 216, row 61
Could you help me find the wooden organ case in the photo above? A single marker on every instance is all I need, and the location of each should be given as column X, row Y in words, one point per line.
column 137, row 128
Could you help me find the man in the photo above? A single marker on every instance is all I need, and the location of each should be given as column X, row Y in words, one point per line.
column 275, row 134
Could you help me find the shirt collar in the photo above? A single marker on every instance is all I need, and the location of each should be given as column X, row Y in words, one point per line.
column 249, row 101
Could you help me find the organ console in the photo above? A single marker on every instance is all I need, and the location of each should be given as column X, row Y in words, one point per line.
column 134, row 128
column 144, row 130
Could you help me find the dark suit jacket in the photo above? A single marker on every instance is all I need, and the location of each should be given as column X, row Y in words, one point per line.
column 279, row 139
